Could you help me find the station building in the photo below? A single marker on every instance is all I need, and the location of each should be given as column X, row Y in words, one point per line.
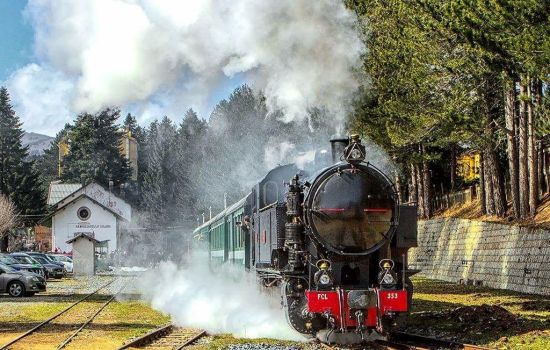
column 91, row 210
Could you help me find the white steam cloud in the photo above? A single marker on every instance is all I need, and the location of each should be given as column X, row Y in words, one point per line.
column 169, row 54
column 228, row 300
column 41, row 98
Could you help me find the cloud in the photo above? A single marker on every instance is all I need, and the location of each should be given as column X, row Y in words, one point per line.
column 167, row 55
column 41, row 98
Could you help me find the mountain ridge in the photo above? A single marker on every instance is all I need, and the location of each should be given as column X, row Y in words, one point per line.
column 37, row 143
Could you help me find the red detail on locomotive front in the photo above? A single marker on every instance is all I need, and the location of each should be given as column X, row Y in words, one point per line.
column 392, row 301
column 320, row 302
column 332, row 210
column 329, row 302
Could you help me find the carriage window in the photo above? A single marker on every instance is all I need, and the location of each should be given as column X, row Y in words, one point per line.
column 217, row 237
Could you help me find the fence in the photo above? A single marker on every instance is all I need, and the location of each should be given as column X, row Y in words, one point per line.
column 446, row 200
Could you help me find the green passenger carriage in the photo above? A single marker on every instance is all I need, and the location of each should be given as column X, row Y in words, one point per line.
column 224, row 235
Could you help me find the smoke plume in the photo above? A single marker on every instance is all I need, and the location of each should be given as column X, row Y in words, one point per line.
column 228, row 300
column 164, row 55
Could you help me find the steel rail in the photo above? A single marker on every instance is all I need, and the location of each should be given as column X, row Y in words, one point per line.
column 90, row 319
column 148, row 337
column 35, row 328
column 192, row 340
column 163, row 331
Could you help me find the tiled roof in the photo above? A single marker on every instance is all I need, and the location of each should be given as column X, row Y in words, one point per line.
column 58, row 191
column 83, row 235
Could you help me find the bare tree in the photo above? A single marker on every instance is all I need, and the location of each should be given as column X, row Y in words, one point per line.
column 8, row 219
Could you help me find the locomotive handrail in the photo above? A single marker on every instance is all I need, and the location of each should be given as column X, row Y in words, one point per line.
column 269, row 206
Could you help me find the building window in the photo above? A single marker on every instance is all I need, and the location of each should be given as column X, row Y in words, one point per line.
column 84, row 213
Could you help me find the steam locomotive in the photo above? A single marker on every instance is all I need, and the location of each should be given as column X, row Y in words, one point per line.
column 335, row 242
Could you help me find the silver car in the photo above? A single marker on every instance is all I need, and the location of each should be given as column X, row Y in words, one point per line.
column 20, row 283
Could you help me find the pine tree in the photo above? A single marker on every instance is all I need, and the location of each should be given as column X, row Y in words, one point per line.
column 47, row 164
column 130, row 123
column 18, row 178
column 160, row 181
column 189, row 152
column 94, row 150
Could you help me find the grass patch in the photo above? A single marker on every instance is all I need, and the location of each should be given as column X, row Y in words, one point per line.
column 119, row 322
column 441, row 309
column 472, row 211
column 25, row 312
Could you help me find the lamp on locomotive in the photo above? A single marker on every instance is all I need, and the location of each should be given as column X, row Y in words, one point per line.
column 355, row 152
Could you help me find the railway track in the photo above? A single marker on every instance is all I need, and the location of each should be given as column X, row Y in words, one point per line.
column 166, row 337
column 406, row 341
column 90, row 319
column 48, row 321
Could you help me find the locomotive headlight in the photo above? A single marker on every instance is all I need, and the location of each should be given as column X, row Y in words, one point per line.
column 355, row 154
column 388, row 279
column 324, row 279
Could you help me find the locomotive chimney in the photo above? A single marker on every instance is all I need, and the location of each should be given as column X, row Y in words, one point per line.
column 337, row 145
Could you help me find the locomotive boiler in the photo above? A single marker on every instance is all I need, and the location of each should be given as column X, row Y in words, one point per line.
column 334, row 242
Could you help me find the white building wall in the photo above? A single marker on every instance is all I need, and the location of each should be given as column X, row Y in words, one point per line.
column 103, row 196
column 102, row 224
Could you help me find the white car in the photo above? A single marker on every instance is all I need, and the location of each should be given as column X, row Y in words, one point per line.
column 65, row 260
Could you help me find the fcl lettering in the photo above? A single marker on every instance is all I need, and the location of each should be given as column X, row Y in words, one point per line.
column 322, row 297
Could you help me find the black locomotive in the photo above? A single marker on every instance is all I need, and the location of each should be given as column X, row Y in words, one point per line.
column 334, row 242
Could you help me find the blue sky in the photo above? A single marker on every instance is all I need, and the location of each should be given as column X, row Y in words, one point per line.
column 16, row 43
column 16, row 38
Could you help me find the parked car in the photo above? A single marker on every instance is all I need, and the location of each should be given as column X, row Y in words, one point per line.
column 65, row 260
column 52, row 270
column 20, row 283
column 10, row 261
column 45, row 256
